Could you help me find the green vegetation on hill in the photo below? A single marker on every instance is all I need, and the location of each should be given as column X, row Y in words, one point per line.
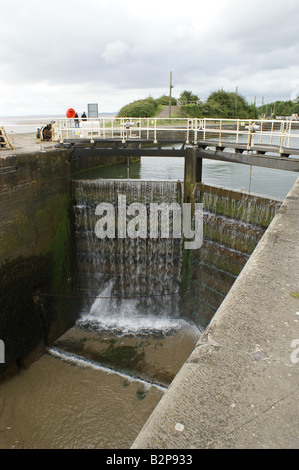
column 140, row 108
column 149, row 107
column 279, row 108
column 220, row 104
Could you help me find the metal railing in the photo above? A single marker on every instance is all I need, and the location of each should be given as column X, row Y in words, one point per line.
column 252, row 133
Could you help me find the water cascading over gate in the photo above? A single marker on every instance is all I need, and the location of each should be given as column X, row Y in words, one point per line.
column 142, row 284
column 136, row 281
column 145, row 301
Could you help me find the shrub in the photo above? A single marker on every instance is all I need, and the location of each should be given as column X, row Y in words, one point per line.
column 228, row 105
column 164, row 100
column 141, row 108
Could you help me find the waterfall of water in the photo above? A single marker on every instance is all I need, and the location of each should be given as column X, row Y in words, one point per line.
column 127, row 285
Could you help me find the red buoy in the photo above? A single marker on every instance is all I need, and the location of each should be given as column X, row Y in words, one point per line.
column 70, row 113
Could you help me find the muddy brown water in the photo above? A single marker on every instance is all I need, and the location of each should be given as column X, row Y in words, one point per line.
column 68, row 400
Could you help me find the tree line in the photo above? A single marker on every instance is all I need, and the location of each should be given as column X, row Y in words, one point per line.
column 279, row 108
column 220, row 104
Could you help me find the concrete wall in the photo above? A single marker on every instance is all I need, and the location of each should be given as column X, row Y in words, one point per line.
column 239, row 387
column 82, row 161
column 35, row 246
column 32, row 188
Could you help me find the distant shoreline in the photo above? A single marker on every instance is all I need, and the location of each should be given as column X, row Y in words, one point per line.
column 42, row 116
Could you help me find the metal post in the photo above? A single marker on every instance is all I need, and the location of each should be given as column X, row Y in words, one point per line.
column 290, row 130
column 60, row 132
column 262, row 122
column 195, row 131
column 91, row 137
column 123, row 130
column 220, row 130
column 272, row 128
column 281, row 137
column 250, row 179
column 249, row 135
column 190, row 166
column 170, row 88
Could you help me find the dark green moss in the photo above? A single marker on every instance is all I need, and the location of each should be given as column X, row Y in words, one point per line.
column 24, row 319
column 187, row 269
column 124, row 356
column 59, row 248
column 15, row 238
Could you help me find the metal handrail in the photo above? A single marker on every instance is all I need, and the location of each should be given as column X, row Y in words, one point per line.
column 280, row 134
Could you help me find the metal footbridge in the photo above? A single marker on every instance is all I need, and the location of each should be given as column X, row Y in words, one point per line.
column 271, row 144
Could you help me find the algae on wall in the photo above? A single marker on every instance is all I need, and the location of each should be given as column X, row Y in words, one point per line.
column 233, row 224
column 24, row 321
column 35, row 254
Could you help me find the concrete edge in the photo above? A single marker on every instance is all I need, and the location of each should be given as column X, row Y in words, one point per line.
column 239, row 387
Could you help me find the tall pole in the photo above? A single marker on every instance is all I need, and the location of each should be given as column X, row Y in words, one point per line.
column 170, row 88
column 236, row 101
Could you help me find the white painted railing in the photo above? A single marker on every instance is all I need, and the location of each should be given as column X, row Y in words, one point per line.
column 252, row 133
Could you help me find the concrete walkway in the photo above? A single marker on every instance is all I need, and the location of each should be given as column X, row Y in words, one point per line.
column 164, row 113
column 240, row 386
column 26, row 143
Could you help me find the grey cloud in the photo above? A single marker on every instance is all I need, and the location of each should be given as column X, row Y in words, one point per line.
column 109, row 45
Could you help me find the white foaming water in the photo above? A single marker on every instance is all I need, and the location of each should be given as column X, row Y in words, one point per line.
column 82, row 362
column 132, row 282
column 126, row 316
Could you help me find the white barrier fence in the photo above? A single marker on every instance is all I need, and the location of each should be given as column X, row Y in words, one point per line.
column 282, row 134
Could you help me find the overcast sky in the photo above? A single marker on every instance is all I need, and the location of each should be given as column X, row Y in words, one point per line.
column 111, row 52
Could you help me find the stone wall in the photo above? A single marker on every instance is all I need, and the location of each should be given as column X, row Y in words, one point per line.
column 233, row 224
column 35, row 247
column 82, row 160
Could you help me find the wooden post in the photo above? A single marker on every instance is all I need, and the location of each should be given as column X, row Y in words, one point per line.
column 190, row 166
column 193, row 167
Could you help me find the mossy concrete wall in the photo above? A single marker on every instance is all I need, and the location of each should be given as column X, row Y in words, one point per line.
column 233, row 224
column 83, row 160
column 35, row 247
column 239, row 387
